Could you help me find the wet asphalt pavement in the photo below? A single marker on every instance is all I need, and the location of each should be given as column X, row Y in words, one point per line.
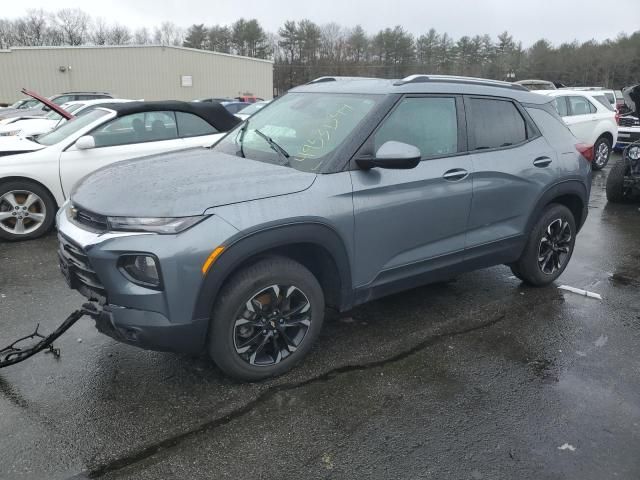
column 479, row 378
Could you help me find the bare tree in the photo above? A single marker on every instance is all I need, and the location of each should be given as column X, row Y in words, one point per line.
column 141, row 36
column 100, row 32
column 7, row 33
column 74, row 24
column 168, row 33
column 119, row 35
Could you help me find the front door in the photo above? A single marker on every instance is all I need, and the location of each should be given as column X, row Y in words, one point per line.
column 406, row 221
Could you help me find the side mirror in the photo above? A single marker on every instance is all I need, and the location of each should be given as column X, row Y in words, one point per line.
column 86, row 142
column 393, row 154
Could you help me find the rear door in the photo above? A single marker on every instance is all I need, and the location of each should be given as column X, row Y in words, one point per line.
column 130, row 136
column 512, row 165
column 407, row 222
column 581, row 118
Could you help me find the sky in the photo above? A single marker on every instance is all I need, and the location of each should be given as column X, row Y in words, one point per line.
column 556, row 20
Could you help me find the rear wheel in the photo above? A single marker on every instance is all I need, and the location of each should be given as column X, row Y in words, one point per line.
column 615, row 183
column 27, row 210
column 601, row 153
column 549, row 247
column 266, row 319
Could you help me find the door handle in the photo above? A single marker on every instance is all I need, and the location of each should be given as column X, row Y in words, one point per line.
column 455, row 174
column 542, row 162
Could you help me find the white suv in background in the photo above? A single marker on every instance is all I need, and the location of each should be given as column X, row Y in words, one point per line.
column 590, row 117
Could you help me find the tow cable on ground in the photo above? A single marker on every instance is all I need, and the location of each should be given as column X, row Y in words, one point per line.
column 14, row 353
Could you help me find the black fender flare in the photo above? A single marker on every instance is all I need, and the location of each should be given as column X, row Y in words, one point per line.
column 266, row 237
column 568, row 187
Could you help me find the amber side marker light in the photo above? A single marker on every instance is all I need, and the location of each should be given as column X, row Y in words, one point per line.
column 212, row 258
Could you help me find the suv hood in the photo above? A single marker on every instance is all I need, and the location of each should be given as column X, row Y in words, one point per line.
column 183, row 183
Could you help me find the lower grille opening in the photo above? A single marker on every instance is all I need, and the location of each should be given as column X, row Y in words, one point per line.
column 79, row 272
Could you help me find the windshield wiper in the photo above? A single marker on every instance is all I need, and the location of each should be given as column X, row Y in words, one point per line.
column 275, row 147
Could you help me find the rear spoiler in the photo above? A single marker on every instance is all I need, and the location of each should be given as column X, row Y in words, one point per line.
column 48, row 103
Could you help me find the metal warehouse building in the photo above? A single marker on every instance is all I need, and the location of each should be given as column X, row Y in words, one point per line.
column 149, row 72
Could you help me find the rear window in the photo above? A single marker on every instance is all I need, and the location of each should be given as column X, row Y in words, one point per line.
column 190, row 125
column 604, row 101
column 495, row 124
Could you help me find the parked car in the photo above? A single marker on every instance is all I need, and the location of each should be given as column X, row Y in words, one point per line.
column 340, row 192
column 590, row 117
column 31, row 126
column 40, row 109
column 536, row 84
column 609, row 94
column 629, row 123
column 215, row 99
column 234, row 107
column 33, row 184
column 246, row 112
column 248, row 99
column 623, row 181
column 22, row 104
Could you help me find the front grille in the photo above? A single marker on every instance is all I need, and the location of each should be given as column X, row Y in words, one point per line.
column 628, row 122
column 81, row 275
column 92, row 221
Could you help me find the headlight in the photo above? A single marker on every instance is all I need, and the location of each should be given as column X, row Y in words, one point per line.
column 10, row 133
column 153, row 224
column 634, row 152
column 141, row 269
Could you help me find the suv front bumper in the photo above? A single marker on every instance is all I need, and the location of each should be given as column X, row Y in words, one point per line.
column 148, row 318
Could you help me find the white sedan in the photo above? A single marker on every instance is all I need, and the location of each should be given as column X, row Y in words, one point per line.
column 29, row 126
column 34, row 184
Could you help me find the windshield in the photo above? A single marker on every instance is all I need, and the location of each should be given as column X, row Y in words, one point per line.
column 308, row 126
column 70, row 127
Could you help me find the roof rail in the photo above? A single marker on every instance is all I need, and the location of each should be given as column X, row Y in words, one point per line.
column 422, row 78
column 337, row 78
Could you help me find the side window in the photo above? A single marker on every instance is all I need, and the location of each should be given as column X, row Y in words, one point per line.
column 561, row 106
column 580, row 106
column 495, row 124
column 190, row 125
column 136, row 128
column 431, row 124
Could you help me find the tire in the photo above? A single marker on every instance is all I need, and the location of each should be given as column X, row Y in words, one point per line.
column 231, row 344
column 615, row 182
column 27, row 210
column 601, row 153
column 556, row 219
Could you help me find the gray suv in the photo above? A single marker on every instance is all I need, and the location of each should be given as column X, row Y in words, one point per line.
column 340, row 192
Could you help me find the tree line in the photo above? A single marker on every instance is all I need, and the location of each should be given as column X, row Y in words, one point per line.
column 303, row 50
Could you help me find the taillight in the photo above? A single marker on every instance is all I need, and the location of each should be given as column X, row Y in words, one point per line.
column 617, row 117
column 585, row 150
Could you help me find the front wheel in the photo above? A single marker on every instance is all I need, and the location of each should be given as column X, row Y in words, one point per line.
column 27, row 210
column 549, row 247
column 615, row 183
column 601, row 153
column 266, row 319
